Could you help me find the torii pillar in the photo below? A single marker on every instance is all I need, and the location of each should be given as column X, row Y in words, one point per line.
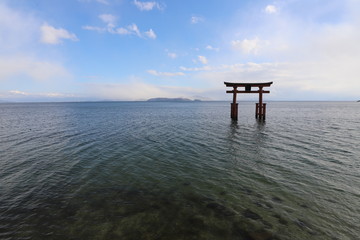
column 260, row 110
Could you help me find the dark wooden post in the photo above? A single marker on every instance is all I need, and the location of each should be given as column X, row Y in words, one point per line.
column 264, row 111
column 234, row 106
column 260, row 102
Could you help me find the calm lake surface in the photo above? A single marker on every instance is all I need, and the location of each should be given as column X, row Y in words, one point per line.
column 155, row 170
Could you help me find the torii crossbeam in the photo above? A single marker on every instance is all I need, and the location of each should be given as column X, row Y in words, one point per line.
column 260, row 110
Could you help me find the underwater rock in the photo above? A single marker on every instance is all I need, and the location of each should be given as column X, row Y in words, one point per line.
column 302, row 223
column 155, row 206
column 214, row 205
column 264, row 205
column 252, row 215
column 268, row 205
column 196, row 221
column 220, row 209
column 281, row 220
column 305, row 226
column 207, row 199
column 304, row 205
column 277, row 199
column 248, row 191
column 267, row 224
column 165, row 201
column 331, row 200
column 261, row 235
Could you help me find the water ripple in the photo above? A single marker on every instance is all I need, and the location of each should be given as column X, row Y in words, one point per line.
column 136, row 170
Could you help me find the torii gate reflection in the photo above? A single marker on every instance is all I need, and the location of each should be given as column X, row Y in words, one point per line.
column 260, row 110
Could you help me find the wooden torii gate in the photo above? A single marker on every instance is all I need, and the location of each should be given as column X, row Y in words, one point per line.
column 260, row 110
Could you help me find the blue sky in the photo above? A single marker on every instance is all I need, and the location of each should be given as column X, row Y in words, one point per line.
column 71, row 50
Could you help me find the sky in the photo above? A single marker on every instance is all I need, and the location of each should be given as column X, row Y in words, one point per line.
column 95, row 50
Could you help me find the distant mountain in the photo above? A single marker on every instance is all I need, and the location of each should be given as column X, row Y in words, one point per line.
column 201, row 98
column 171, row 100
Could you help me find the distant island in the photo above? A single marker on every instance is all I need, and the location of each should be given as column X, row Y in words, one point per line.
column 172, row 100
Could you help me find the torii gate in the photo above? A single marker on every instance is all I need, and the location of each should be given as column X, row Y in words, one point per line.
column 260, row 110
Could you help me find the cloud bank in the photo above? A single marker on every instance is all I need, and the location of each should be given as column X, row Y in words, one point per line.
column 20, row 33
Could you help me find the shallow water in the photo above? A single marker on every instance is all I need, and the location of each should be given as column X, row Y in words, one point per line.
column 150, row 170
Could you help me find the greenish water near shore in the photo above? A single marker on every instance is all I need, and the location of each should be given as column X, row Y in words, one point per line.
column 155, row 170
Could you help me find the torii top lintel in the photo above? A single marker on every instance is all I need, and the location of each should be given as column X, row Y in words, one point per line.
column 266, row 84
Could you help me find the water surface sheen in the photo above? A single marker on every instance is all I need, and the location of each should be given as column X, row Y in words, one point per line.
column 150, row 170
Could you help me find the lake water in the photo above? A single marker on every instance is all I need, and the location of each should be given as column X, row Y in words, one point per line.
column 152, row 170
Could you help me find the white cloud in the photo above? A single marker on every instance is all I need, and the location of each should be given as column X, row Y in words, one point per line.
column 51, row 35
column 109, row 19
column 17, row 95
column 209, row 47
column 203, row 59
column 105, row 2
column 150, row 34
column 165, row 74
column 34, row 69
column 131, row 29
column 196, row 19
column 249, row 46
column 21, row 66
column 321, row 63
column 224, row 67
column 172, row 55
column 126, row 91
column 18, row 30
column 122, row 31
column 16, row 92
column 204, row 68
column 270, row 9
column 130, row 91
column 301, row 78
column 134, row 29
column 93, row 28
column 295, row 80
column 147, row 6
